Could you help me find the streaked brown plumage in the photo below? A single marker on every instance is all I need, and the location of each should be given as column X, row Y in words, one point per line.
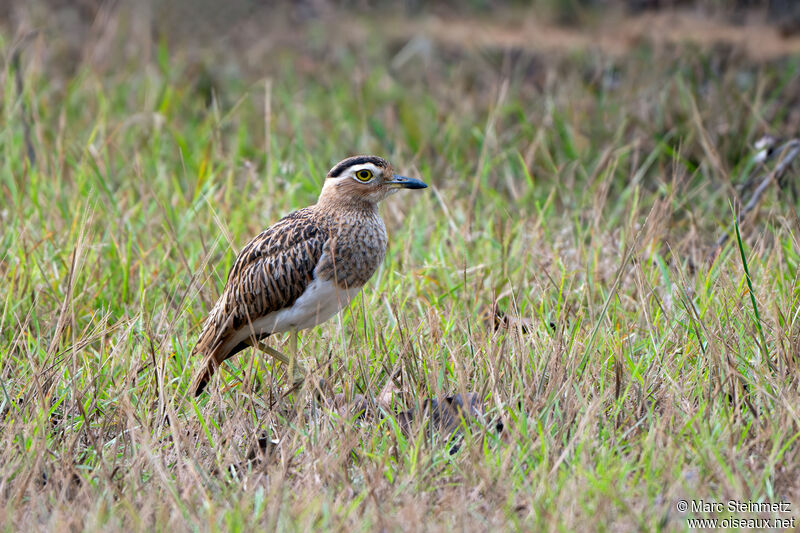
column 304, row 268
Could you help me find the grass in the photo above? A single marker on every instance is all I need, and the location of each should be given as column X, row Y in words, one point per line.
column 581, row 193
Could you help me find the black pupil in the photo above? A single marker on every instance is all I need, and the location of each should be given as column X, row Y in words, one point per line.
column 363, row 174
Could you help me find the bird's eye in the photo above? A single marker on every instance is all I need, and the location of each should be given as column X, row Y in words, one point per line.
column 364, row 175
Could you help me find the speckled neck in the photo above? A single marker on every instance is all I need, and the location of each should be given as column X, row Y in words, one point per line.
column 346, row 207
column 334, row 202
column 357, row 244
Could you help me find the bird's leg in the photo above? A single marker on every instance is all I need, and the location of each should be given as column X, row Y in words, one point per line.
column 294, row 365
column 296, row 370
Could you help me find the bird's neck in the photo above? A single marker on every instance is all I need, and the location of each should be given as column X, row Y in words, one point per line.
column 339, row 204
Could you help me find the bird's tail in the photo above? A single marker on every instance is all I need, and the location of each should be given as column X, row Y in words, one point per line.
column 211, row 347
column 209, row 365
column 202, row 378
column 212, row 362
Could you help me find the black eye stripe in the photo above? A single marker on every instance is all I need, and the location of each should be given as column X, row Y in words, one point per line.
column 357, row 160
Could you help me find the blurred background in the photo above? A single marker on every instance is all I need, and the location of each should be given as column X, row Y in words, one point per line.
column 277, row 92
column 447, row 55
column 253, row 35
column 107, row 31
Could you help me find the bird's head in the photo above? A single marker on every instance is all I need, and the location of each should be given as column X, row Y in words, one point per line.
column 364, row 178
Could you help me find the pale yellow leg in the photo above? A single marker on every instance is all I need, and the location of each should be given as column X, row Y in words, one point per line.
column 296, row 370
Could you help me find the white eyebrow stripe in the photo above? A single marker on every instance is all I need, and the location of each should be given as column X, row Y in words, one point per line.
column 364, row 166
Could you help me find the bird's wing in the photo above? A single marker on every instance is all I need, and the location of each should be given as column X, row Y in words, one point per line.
column 270, row 273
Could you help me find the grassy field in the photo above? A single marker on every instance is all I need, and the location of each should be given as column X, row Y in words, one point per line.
column 580, row 194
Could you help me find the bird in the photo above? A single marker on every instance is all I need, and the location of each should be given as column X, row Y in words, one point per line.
column 304, row 269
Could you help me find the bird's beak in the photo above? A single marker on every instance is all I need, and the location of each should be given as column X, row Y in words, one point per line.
column 403, row 182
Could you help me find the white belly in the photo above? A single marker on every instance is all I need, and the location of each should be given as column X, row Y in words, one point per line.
column 319, row 302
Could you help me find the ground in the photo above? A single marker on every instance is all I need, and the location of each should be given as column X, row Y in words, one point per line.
column 584, row 270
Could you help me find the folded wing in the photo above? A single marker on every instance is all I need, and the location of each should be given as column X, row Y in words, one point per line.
column 270, row 273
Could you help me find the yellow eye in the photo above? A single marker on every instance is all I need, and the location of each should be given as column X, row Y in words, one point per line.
column 364, row 175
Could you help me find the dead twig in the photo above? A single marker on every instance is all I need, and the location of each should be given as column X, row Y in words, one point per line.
column 787, row 152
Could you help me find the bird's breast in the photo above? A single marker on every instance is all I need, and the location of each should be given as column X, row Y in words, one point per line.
column 354, row 252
